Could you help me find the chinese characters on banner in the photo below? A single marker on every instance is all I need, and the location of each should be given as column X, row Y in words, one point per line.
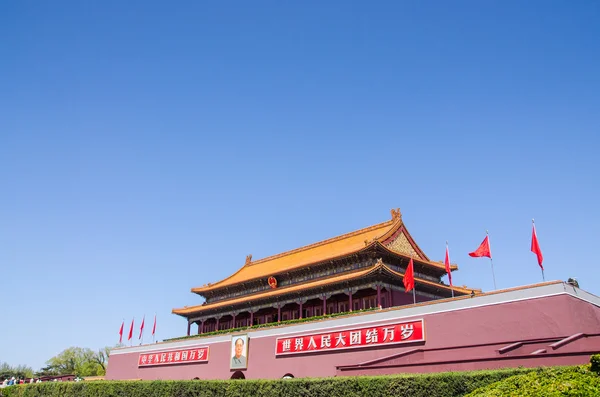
column 411, row 331
column 196, row 355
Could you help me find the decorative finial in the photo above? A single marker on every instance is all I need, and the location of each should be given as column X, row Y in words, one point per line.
column 248, row 259
column 573, row 281
column 379, row 261
column 396, row 214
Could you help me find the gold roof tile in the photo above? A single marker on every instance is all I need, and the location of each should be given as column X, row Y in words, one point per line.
column 318, row 252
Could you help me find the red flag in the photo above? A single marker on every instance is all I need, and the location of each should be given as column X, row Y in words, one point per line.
column 483, row 250
column 130, row 331
column 447, row 263
column 154, row 327
column 142, row 327
column 409, row 277
column 535, row 247
column 121, row 332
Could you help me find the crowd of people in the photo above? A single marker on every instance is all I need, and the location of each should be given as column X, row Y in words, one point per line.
column 18, row 381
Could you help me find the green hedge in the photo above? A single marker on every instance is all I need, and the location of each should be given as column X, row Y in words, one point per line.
column 451, row 384
column 539, row 382
column 550, row 382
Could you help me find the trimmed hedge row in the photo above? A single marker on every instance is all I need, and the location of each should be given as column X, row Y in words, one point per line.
column 550, row 382
column 449, row 384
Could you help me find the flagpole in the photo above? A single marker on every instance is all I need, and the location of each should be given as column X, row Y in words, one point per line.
column 414, row 296
column 121, row 333
column 535, row 233
column 449, row 276
column 154, row 328
column 142, row 330
column 491, row 261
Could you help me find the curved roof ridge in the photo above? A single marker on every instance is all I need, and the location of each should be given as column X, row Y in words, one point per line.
column 438, row 264
column 324, row 242
column 394, row 223
column 394, row 233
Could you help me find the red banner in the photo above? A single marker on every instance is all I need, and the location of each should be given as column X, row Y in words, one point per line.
column 196, row 355
column 381, row 335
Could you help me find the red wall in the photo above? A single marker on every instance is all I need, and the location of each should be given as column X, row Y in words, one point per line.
column 455, row 340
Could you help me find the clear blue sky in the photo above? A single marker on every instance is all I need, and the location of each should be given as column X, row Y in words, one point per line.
column 147, row 148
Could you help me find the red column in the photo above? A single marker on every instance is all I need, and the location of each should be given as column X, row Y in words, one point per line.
column 217, row 326
column 350, row 301
column 378, row 296
column 278, row 313
column 232, row 321
column 200, row 327
column 324, row 305
column 251, row 319
column 189, row 327
column 300, row 310
column 390, row 299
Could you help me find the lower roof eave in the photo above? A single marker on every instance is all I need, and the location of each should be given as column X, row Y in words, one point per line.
column 535, row 291
column 397, row 284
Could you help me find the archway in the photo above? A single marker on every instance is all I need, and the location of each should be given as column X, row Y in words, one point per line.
column 238, row 375
column 287, row 376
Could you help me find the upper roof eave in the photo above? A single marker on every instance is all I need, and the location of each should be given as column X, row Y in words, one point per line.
column 339, row 247
column 379, row 266
column 328, row 249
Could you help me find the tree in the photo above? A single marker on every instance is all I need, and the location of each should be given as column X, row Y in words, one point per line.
column 75, row 361
column 102, row 358
column 20, row 371
column 78, row 361
column 46, row 371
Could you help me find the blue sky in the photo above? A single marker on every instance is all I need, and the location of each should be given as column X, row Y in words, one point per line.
column 147, row 148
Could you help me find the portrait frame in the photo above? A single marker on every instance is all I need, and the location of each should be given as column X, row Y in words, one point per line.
column 238, row 342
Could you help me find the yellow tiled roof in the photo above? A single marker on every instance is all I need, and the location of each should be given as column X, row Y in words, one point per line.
column 324, row 250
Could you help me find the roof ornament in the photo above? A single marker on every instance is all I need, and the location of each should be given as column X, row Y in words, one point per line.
column 396, row 214
column 379, row 262
column 573, row 281
column 248, row 259
column 374, row 239
column 272, row 281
